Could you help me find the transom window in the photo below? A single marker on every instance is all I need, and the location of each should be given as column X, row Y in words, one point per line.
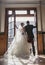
column 20, row 11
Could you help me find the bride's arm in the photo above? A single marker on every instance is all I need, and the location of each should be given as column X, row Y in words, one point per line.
column 16, row 26
column 24, row 30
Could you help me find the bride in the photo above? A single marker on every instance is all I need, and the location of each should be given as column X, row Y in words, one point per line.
column 19, row 46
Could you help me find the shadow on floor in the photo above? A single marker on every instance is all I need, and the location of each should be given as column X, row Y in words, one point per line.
column 40, row 60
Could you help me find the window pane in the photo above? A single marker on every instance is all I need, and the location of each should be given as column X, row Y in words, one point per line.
column 20, row 12
column 11, row 33
column 11, row 25
column 31, row 11
column 24, row 19
column 10, row 12
column 10, row 19
column 10, row 40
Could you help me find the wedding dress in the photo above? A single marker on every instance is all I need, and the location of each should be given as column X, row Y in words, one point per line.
column 19, row 46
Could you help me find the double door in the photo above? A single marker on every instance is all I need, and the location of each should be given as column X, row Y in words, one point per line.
column 15, row 17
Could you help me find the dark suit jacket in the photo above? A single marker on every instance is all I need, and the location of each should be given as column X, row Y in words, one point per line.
column 29, row 30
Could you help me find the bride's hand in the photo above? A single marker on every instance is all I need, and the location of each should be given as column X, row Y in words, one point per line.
column 16, row 26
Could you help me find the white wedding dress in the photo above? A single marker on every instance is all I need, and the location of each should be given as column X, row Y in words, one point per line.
column 19, row 46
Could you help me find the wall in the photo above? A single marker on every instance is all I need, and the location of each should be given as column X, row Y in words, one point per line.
column 2, row 43
column 3, row 35
column 0, row 17
column 40, row 35
column 43, row 17
column 40, row 45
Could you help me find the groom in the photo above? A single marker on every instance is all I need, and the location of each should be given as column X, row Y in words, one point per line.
column 29, row 30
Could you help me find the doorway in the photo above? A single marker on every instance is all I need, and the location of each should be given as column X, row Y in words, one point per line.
column 17, row 15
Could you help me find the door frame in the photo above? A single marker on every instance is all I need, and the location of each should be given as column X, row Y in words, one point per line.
column 6, row 20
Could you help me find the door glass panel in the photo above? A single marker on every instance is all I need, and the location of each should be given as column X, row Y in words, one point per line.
column 11, row 19
column 18, row 20
column 10, row 29
column 11, row 33
column 24, row 19
column 11, row 25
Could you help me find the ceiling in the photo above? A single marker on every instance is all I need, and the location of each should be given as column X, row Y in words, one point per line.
column 21, row 1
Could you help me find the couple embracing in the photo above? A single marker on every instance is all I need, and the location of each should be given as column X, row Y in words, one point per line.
column 23, row 36
column 30, row 36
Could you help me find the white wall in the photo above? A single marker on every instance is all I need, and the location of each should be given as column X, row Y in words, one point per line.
column 38, row 18
column 43, row 17
column 0, row 16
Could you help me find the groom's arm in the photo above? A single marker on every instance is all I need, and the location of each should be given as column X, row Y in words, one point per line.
column 34, row 26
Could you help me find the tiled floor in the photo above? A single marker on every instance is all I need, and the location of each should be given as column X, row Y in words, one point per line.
column 32, row 60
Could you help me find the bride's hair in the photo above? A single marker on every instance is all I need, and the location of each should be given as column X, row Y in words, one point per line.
column 22, row 24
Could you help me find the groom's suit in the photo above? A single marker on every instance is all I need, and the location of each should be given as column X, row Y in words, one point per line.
column 29, row 30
